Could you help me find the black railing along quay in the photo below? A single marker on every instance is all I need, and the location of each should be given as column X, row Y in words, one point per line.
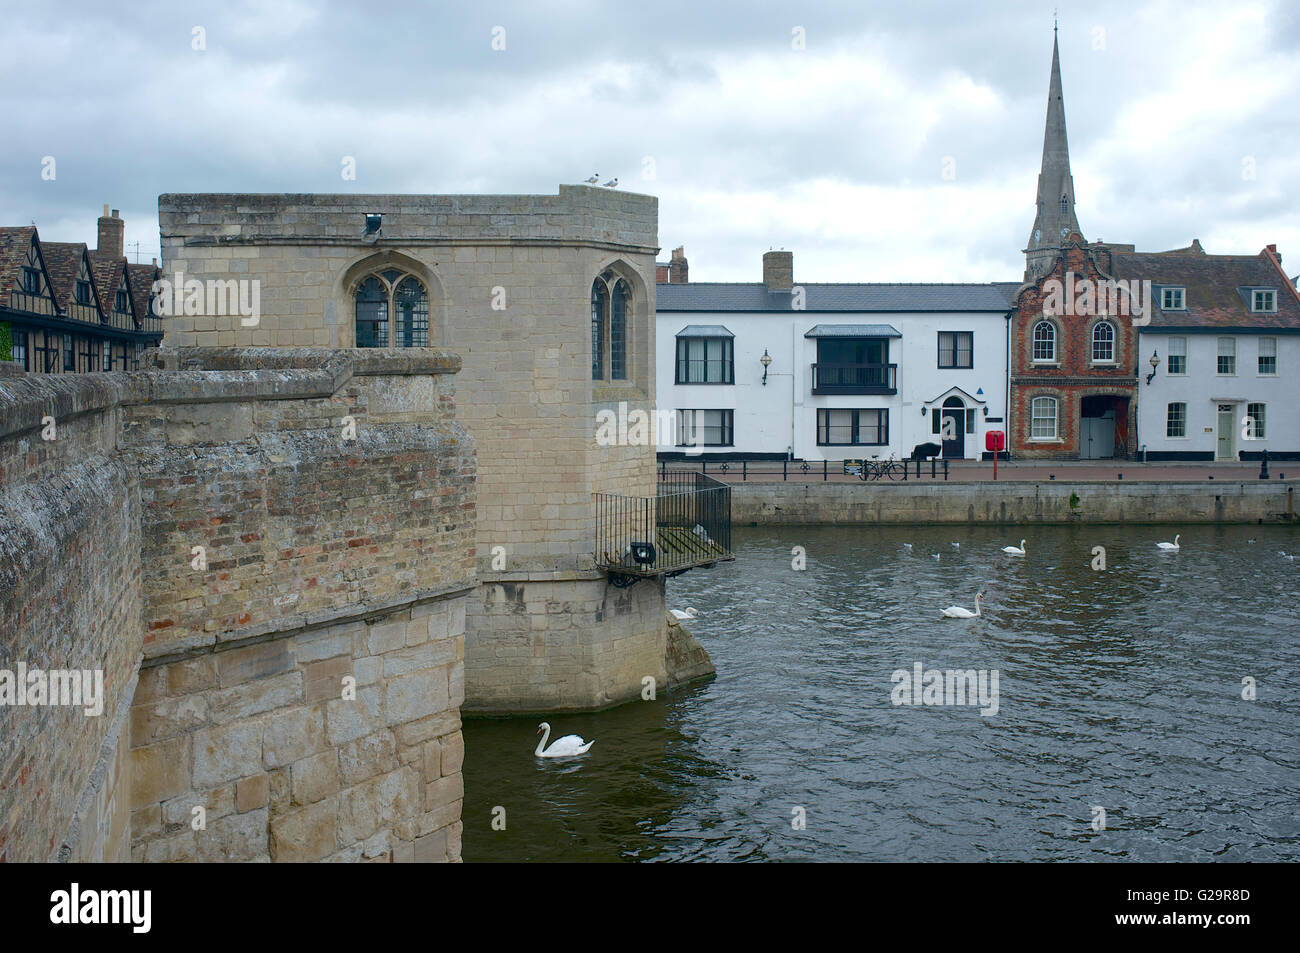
column 805, row 471
column 855, row 378
column 685, row 525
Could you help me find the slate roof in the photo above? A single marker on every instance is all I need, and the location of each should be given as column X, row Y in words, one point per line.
column 1215, row 287
column 704, row 331
column 63, row 263
column 14, row 243
column 108, row 276
column 853, row 331
column 754, row 297
column 140, row 279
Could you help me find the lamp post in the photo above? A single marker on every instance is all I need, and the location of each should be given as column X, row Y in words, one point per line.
column 1154, row 362
column 766, row 361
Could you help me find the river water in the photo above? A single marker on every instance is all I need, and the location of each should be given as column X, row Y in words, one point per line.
column 1119, row 707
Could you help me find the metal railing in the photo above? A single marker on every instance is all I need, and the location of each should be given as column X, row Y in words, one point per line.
column 686, row 524
column 805, row 471
column 854, row 378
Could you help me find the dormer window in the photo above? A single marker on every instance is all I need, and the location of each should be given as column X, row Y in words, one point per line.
column 119, row 302
column 1263, row 299
column 31, row 281
column 1171, row 299
column 83, row 292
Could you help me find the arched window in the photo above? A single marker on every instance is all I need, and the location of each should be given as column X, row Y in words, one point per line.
column 1065, row 206
column 401, row 295
column 1103, row 342
column 610, row 304
column 1044, row 341
column 1042, row 418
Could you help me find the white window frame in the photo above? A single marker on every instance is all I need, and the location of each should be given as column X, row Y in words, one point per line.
column 1114, row 334
column 1173, row 299
column 1170, row 354
column 1260, row 356
column 1034, row 417
column 1033, row 343
column 1169, row 420
column 1260, row 417
column 1263, row 305
column 1230, row 355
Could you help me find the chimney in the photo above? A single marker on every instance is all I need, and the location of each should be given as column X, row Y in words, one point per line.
column 112, row 231
column 661, row 273
column 677, row 267
column 778, row 270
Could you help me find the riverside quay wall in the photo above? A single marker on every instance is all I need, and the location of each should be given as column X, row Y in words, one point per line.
column 266, row 557
column 774, row 504
column 549, row 299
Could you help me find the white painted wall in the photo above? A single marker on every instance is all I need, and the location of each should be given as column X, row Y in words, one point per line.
column 781, row 416
column 1202, row 388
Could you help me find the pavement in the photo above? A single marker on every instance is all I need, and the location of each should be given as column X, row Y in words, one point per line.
column 963, row 471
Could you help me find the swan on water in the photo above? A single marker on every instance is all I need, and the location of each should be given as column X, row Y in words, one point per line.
column 961, row 612
column 563, row 747
column 1015, row 550
column 1284, row 554
column 907, row 546
column 936, row 555
column 956, row 545
column 678, row 616
column 1174, row 547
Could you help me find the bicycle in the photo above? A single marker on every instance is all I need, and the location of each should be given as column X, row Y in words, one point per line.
column 877, row 469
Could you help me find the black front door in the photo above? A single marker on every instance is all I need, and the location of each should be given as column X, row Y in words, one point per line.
column 953, row 430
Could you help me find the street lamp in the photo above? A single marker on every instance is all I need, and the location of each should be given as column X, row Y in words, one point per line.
column 766, row 361
column 1154, row 362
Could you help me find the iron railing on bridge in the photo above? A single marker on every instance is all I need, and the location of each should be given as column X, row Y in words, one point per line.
column 807, row 471
column 686, row 524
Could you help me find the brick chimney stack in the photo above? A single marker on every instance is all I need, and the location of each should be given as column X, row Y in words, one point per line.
column 112, row 235
column 778, row 270
column 678, row 270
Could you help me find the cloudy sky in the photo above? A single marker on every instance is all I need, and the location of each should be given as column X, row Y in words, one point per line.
column 901, row 143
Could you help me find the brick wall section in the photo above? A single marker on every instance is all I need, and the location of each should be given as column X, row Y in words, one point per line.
column 69, row 599
column 526, row 394
column 1075, row 377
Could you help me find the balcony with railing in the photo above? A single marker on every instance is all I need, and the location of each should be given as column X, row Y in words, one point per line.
column 855, row 378
column 687, row 524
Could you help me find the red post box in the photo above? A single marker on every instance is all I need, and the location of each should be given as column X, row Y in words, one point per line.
column 995, row 441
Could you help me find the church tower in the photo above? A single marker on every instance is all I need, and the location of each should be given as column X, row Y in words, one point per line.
column 1055, row 218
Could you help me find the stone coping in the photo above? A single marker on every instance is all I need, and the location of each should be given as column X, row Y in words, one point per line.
column 292, row 625
column 208, row 375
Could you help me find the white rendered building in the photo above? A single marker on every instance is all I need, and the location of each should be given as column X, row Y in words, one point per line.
column 852, row 371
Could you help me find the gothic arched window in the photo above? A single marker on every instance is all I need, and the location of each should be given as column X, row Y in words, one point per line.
column 1044, row 341
column 1103, row 342
column 610, row 304
column 392, row 293
column 1065, row 206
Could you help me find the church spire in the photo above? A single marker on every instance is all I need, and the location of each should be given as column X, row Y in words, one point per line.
column 1055, row 218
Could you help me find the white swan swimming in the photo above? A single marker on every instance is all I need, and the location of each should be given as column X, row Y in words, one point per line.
column 677, row 615
column 936, row 555
column 960, row 612
column 956, row 545
column 907, row 546
column 564, row 747
column 1173, row 547
column 1015, row 550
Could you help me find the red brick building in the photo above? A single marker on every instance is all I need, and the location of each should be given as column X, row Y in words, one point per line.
column 1073, row 347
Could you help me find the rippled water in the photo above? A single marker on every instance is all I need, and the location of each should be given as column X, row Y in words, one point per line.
column 1118, row 689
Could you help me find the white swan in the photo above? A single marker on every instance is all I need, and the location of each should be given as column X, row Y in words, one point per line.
column 936, row 555
column 907, row 546
column 956, row 545
column 1172, row 547
column 564, row 747
column 1015, row 550
column 677, row 616
column 960, row 612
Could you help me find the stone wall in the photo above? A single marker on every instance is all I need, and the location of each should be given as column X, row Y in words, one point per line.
column 509, row 281
column 291, row 594
column 69, row 599
column 773, row 504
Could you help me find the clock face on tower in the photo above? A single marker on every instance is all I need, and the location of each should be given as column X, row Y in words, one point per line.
column 1065, row 230
column 1038, row 234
